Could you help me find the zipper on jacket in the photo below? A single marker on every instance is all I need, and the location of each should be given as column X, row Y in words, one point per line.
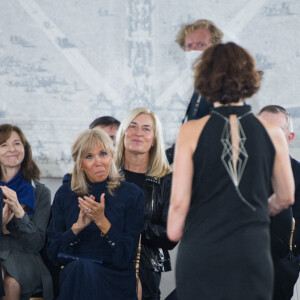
column 152, row 202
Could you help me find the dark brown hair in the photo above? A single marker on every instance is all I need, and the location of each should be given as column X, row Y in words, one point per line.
column 226, row 73
column 105, row 121
column 29, row 168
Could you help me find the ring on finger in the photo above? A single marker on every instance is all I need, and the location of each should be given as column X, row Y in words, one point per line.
column 88, row 211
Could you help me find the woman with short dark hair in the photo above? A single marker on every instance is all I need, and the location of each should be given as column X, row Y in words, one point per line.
column 26, row 212
column 225, row 166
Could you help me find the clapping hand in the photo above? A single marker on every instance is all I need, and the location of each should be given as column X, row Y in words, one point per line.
column 7, row 215
column 92, row 208
column 12, row 201
column 95, row 211
column 83, row 218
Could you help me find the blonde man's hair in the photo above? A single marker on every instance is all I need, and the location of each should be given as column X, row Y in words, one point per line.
column 216, row 33
column 158, row 165
column 82, row 145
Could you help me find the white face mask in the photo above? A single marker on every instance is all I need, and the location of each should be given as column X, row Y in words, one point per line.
column 191, row 57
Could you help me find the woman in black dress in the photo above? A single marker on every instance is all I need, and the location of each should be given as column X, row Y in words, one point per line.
column 140, row 155
column 225, row 165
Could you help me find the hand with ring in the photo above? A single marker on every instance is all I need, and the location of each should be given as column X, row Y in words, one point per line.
column 95, row 211
column 84, row 218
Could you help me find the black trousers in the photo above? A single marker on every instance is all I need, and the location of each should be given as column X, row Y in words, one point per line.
column 150, row 281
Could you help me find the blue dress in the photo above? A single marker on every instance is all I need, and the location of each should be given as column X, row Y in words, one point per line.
column 97, row 267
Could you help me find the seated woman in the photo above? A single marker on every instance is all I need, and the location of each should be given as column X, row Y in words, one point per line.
column 95, row 226
column 26, row 212
column 140, row 155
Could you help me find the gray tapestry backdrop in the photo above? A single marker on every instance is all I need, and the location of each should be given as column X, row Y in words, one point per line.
column 64, row 63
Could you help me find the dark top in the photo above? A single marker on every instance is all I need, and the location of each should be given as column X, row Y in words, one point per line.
column 155, row 243
column 67, row 177
column 225, row 248
column 154, row 238
column 97, row 263
column 281, row 227
column 281, row 224
column 296, row 206
column 198, row 107
column 136, row 178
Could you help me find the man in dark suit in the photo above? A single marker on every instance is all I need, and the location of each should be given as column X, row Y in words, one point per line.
column 281, row 224
column 194, row 39
column 279, row 115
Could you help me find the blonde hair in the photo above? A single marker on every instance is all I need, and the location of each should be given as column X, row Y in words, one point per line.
column 216, row 33
column 158, row 165
column 84, row 142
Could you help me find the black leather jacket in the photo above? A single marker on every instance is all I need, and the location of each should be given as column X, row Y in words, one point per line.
column 155, row 244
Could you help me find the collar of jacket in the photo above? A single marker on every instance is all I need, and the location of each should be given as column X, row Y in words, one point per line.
column 152, row 179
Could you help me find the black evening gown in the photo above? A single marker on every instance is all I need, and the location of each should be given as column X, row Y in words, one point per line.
column 225, row 249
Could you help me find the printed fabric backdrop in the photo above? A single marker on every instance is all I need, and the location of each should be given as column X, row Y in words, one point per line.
column 64, row 63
